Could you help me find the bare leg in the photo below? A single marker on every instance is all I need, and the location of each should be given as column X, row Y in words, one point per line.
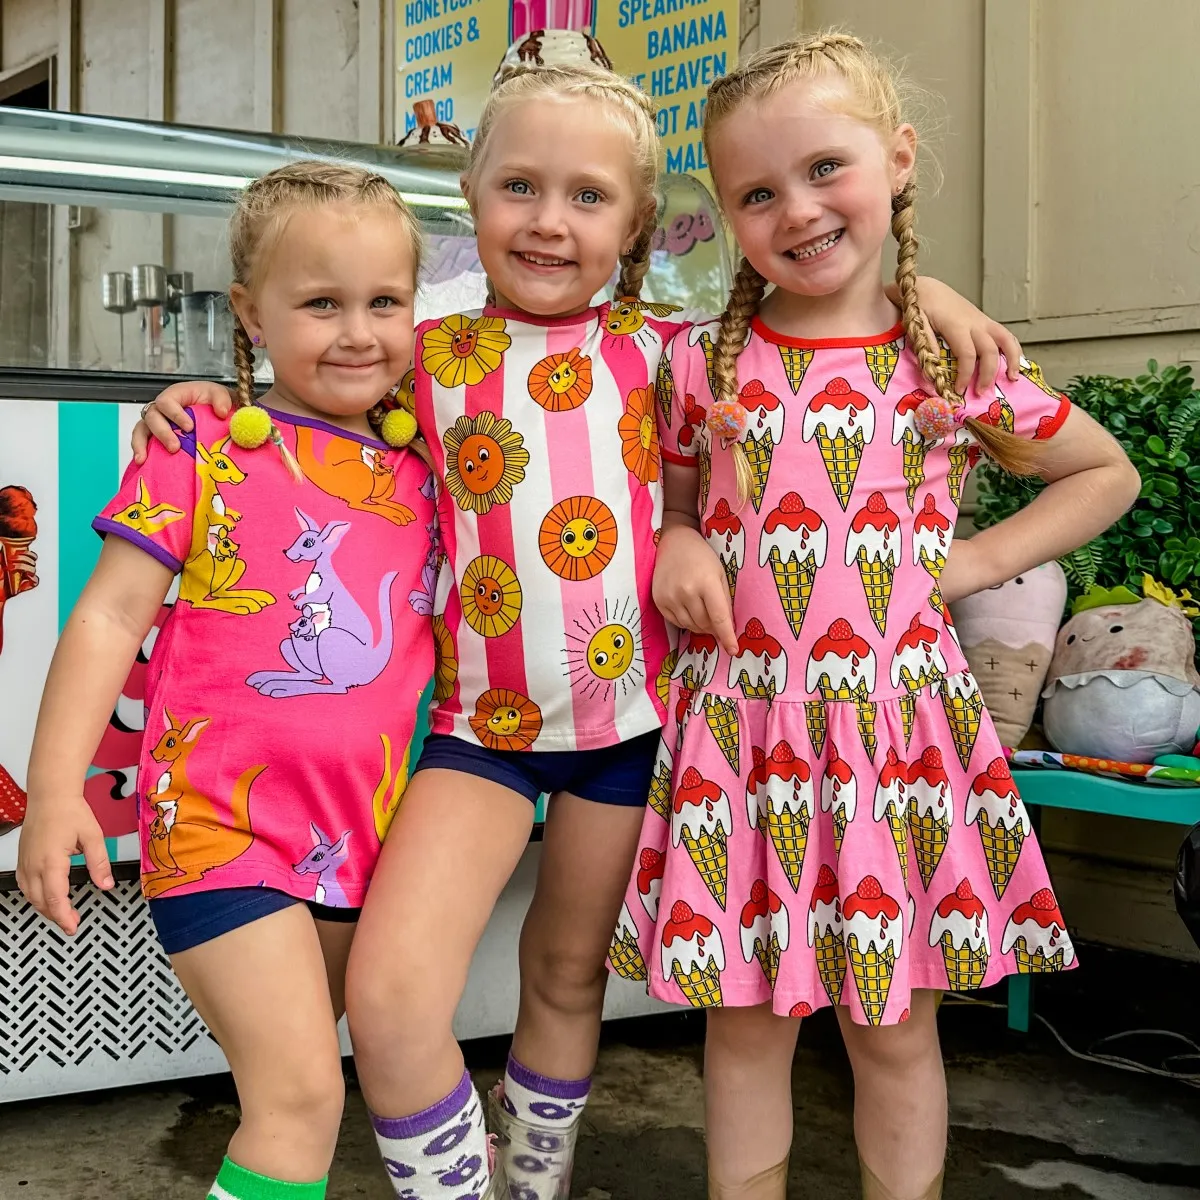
column 336, row 938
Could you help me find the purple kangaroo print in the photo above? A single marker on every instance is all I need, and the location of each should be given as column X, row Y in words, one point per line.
column 330, row 648
column 324, row 861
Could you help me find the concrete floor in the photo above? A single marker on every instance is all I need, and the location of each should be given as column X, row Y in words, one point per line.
column 1027, row 1119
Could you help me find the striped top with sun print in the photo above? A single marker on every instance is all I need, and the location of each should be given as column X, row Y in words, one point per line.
column 544, row 434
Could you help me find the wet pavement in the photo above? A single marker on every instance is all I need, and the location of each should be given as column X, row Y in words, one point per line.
column 1028, row 1120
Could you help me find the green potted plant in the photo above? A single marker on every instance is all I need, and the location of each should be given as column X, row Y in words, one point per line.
column 1156, row 417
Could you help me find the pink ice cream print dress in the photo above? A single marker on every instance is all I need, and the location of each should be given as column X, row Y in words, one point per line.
column 282, row 690
column 833, row 797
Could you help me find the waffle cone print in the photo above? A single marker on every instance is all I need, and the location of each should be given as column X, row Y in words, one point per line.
column 842, row 422
column 764, row 431
column 826, row 933
column 874, row 939
column 693, row 955
column 882, row 360
column 908, row 716
column 930, row 811
column 842, row 667
column 794, row 543
column 932, row 533
column 624, row 954
column 660, row 782
column 765, row 929
column 1037, row 937
column 817, row 723
column 795, row 363
column 839, row 795
column 701, row 819
column 995, row 808
column 725, row 534
column 960, row 928
column 914, row 446
column 874, row 545
column 790, row 801
column 721, row 715
column 963, row 706
column 890, row 806
column 963, row 454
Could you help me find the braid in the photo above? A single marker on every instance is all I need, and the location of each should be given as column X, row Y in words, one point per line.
column 744, row 299
column 636, row 263
column 243, row 359
column 417, row 445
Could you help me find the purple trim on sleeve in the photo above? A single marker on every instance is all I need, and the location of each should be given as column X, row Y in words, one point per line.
column 103, row 526
column 325, row 427
column 543, row 1085
column 428, row 1120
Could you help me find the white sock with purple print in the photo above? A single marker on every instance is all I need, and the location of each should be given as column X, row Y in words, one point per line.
column 441, row 1152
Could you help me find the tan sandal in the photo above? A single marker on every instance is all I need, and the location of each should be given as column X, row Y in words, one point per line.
column 874, row 1189
column 770, row 1184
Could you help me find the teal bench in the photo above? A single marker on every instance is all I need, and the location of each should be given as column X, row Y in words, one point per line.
column 1097, row 794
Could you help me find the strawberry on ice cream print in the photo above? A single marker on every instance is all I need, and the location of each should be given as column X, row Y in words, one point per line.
column 999, row 413
column 882, row 360
column 964, row 453
column 839, row 794
column 997, row 809
column 890, row 805
column 724, row 533
column 756, row 792
column 760, row 666
column 963, row 706
column 696, row 669
column 930, row 810
column 13, row 802
column 873, row 543
column 695, row 434
column 697, row 664
column 787, row 788
column 794, row 542
column 932, row 534
column 826, row 933
column 660, row 782
column 651, row 865
column 917, row 662
column 842, row 667
column 764, row 431
column 874, row 940
column 916, row 445
column 1035, row 933
column 702, row 820
column 625, row 955
column 843, row 422
column 960, row 927
column 693, row 955
column 765, row 929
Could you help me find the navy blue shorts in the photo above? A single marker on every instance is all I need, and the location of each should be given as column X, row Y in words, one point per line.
column 186, row 921
column 617, row 774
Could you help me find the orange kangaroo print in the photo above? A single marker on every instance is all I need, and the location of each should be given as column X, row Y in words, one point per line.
column 353, row 473
column 188, row 837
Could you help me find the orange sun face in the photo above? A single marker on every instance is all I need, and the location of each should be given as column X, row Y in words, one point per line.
column 463, row 343
column 489, row 597
column 561, row 382
column 506, row 720
column 578, row 537
column 480, row 463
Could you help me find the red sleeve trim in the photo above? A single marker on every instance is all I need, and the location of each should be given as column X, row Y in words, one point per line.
column 680, row 460
column 1049, row 426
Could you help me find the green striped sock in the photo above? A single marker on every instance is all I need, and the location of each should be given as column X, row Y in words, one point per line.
column 236, row 1183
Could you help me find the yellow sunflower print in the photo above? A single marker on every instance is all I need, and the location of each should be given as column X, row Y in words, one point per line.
column 445, row 658
column 491, row 596
column 464, row 349
column 485, row 459
column 639, row 435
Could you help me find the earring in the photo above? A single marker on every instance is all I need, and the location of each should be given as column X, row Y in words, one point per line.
column 256, row 339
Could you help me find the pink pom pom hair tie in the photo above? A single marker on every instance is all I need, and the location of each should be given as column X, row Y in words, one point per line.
column 727, row 420
column 936, row 417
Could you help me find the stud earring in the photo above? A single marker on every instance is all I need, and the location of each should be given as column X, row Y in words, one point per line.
column 256, row 339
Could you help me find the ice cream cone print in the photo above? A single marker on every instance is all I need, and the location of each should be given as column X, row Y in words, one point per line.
column 765, row 929
column 948, row 362
column 756, row 792
column 864, row 717
column 693, row 955
column 664, row 388
column 1033, row 373
column 795, row 363
column 890, row 806
column 999, row 413
column 918, row 660
column 874, row 939
column 960, row 927
column 843, row 422
column 826, row 933
column 702, row 820
column 932, row 534
column 839, row 795
column 908, row 716
column 882, row 360
column 760, row 666
column 624, row 954
column 915, row 446
column 996, row 808
column 662, row 682
column 816, row 723
column 721, row 713
column 724, row 533
column 701, row 335
column 874, row 544
column 963, row 453
column 937, row 603
column 930, row 810
column 787, row 782
column 705, row 458
column 963, row 706
column 660, row 783
column 794, row 541
column 842, row 667
column 696, row 664
column 1036, row 935
column 651, row 865
column 764, row 431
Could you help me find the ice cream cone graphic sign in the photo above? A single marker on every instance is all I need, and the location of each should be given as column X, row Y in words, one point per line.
column 702, row 820
column 874, row 544
column 693, row 955
column 764, row 431
column 842, row 421
column 624, row 955
column 1035, row 933
column 930, row 811
column 839, row 795
column 760, row 666
column 906, row 434
column 874, row 939
column 765, row 929
column 724, row 533
column 995, row 808
column 960, row 927
column 826, row 934
column 793, row 542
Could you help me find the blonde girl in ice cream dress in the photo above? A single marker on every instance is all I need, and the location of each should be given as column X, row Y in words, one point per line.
column 832, row 821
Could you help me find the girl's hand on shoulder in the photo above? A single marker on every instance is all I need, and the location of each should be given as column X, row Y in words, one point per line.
column 169, row 409
column 975, row 340
column 690, row 588
column 53, row 831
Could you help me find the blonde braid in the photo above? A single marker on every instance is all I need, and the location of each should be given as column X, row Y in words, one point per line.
column 243, row 360
column 744, row 299
column 636, row 263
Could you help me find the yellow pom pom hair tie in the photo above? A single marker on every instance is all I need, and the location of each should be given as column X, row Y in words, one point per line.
column 251, row 427
column 398, row 428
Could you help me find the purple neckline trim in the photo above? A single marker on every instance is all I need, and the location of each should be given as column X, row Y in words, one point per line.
column 336, row 430
column 103, row 525
column 431, row 1118
column 543, row 1085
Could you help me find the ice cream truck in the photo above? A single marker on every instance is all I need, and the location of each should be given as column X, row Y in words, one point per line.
column 113, row 270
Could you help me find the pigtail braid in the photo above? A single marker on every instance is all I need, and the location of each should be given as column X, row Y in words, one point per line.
column 636, row 263
column 243, row 361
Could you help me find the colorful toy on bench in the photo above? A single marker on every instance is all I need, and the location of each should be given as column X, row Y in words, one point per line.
column 1123, row 682
column 1007, row 633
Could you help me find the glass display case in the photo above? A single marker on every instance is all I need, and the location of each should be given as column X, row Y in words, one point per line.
column 113, row 270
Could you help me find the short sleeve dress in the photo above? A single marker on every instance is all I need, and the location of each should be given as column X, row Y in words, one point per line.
column 832, row 819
